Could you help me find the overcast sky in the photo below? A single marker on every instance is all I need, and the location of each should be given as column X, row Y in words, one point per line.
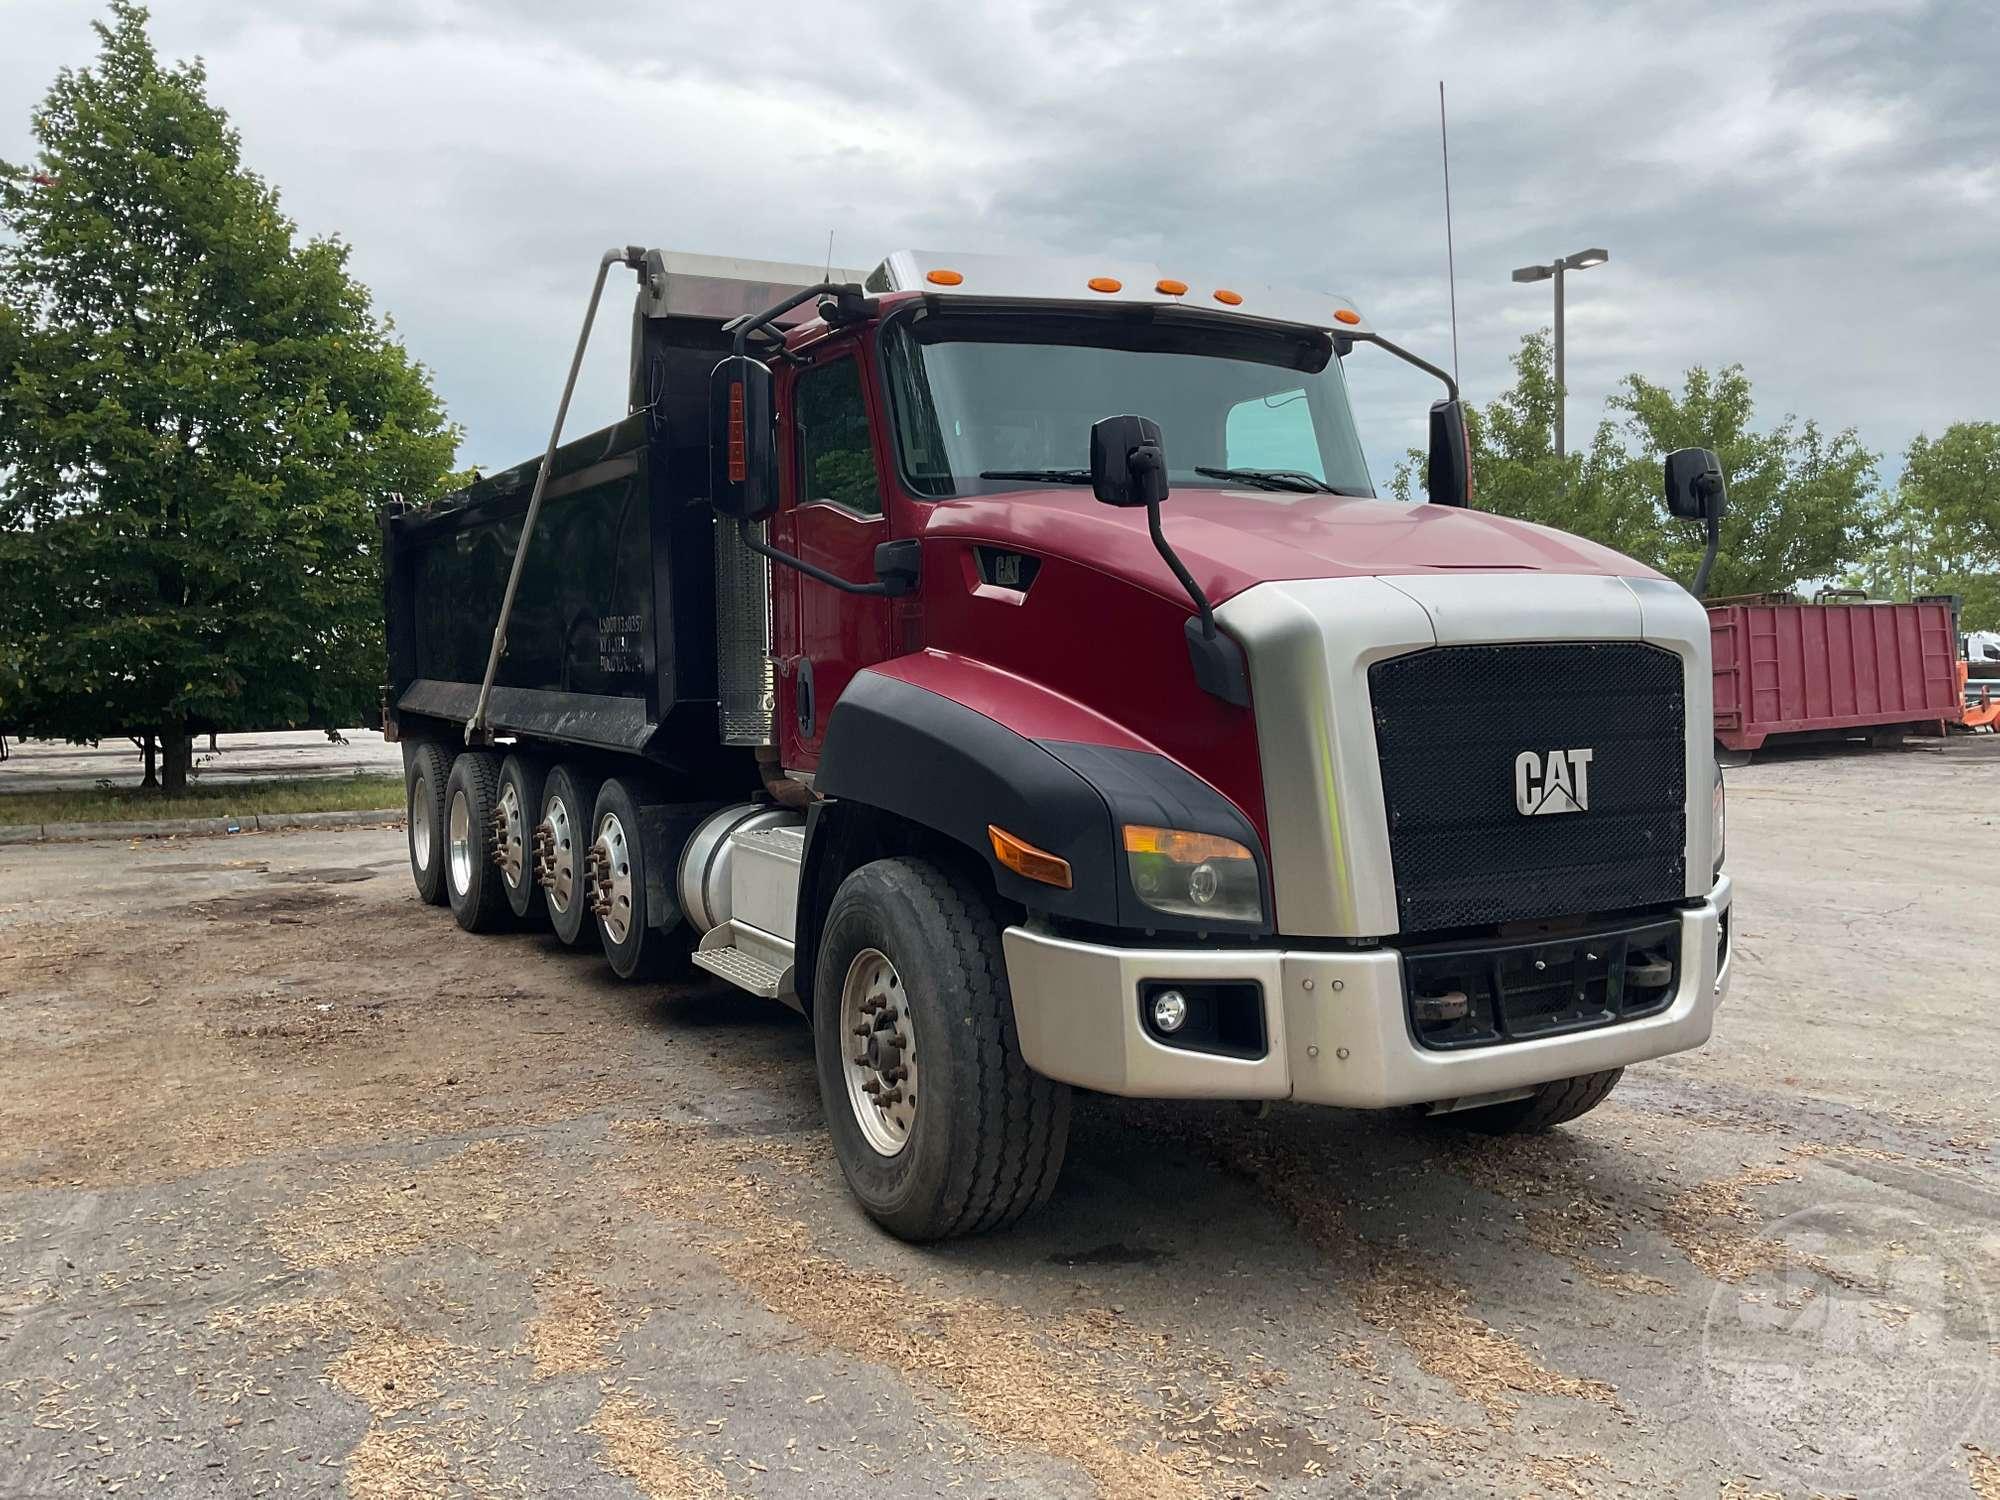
column 1810, row 190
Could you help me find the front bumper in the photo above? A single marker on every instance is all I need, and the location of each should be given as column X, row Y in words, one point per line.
column 1335, row 1023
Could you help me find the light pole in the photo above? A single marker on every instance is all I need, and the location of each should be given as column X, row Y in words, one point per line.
column 1580, row 260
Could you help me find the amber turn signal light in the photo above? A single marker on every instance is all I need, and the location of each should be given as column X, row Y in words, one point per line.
column 1025, row 860
column 1346, row 315
column 944, row 278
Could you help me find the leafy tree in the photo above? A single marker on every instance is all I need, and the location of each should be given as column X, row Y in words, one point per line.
column 1939, row 532
column 198, row 416
column 1799, row 500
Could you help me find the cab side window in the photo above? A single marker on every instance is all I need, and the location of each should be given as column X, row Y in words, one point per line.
column 836, row 459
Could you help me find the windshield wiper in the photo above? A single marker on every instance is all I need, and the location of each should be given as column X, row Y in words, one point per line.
column 1051, row 476
column 1295, row 480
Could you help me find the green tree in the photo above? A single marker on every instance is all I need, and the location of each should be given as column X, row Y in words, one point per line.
column 1939, row 531
column 198, row 417
column 1799, row 502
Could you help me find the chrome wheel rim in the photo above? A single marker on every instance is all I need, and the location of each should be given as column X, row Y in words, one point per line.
column 513, row 855
column 878, row 1044
column 562, row 855
column 459, row 840
column 420, row 822
column 615, row 877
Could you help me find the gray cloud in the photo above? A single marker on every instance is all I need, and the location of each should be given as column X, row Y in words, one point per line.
column 1812, row 190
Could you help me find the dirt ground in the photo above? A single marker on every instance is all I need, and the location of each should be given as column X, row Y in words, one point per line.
column 304, row 1191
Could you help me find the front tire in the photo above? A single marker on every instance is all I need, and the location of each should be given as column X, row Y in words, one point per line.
column 958, row 1135
column 1550, row 1105
column 430, row 768
column 471, row 878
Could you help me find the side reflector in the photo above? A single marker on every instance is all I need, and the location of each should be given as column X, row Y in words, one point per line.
column 1105, row 284
column 737, row 442
column 944, row 278
column 1229, row 299
column 1166, row 286
column 1025, row 860
column 1346, row 315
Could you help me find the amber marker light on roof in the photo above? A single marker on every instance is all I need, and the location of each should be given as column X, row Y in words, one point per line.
column 1024, row 859
column 1166, row 286
column 1105, row 284
column 944, row 278
column 1229, row 298
column 1346, row 315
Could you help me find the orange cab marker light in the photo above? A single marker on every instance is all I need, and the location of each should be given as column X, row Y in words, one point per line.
column 1024, row 859
column 1346, row 315
column 944, row 278
column 1105, row 284
column 1229, row 298
column 1166, row 286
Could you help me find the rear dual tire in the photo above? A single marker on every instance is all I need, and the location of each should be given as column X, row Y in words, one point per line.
column 633, row 947
column 424, row 783
column 472, row 880
column 569, row 804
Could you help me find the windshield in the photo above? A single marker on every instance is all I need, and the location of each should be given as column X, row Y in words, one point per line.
column 978, row 394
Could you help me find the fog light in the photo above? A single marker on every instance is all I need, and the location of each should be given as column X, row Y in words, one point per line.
column 1170, row 1010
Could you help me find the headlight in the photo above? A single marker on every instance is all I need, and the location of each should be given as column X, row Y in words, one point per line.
column 1193, row 874
column 1719, row 826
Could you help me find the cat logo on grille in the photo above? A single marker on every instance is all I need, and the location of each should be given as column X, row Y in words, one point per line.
column 1556, row 783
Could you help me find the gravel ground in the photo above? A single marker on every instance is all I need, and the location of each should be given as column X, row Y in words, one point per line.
column 304, row 1191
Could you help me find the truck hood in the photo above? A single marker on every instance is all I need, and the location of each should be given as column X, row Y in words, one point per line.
column 1232, row 539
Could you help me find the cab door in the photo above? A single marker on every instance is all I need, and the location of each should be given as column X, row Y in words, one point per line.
column 834, row 518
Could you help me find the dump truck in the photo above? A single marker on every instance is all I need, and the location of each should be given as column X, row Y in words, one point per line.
column 1008, row 665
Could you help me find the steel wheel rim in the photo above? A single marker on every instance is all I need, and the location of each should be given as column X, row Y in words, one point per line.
column 617, row 877
column 420, row 822
column 458, row 835
column 562, row 856
column 513, row 836
column 878, row 1044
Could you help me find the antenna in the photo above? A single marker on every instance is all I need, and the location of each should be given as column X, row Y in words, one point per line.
column 1450, row 260
column 828, row 277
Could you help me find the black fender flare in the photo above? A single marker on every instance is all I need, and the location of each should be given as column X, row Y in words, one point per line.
column 932, row 761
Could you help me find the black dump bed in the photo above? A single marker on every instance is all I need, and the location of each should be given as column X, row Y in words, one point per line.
column 613, row 639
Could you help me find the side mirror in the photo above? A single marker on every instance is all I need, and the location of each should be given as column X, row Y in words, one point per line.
column 1451, row 456
column 1695, row 490
column 1128, row 467
column 742, row 444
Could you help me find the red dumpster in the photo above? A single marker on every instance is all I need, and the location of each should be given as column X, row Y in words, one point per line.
column 1831, row 670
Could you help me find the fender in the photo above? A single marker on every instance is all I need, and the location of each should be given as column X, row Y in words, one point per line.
column 1054, row 773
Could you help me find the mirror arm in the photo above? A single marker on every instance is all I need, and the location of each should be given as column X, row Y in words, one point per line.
column 889, row 588
column 1366, row 337
column 1700, row 587
column 744, row 327
column 1172, row 560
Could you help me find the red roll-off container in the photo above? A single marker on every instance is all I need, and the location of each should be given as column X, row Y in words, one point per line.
column 1784, row 668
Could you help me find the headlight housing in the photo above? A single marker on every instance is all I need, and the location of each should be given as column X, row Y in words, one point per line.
column 1719, row 824
column 1193, row 874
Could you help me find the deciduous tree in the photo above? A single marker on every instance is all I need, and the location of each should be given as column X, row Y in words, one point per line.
column 198, row 416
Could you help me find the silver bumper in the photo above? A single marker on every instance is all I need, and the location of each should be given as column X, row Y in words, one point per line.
column 1336, row 1023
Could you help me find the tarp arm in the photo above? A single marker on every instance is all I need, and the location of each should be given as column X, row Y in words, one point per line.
column 477, row 730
